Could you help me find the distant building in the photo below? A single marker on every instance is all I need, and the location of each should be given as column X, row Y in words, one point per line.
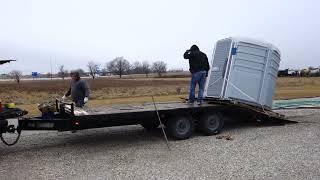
column 314, row 71
column 288, row 72
column 305, row 72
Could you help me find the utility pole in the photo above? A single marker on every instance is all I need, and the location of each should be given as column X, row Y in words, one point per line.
column 51, row 67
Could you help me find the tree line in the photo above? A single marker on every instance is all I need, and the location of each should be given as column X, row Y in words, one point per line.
column 120, row 66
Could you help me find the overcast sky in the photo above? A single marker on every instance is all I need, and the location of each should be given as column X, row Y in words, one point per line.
column 73, row 32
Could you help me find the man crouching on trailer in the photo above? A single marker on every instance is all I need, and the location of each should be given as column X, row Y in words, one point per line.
column 79, row 90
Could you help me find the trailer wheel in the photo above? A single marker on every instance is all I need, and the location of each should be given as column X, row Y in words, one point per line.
column 180, row 127
column 150, row 125
column 211, row 124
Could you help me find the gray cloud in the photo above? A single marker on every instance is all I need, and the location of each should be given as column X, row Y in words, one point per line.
column 75, row 32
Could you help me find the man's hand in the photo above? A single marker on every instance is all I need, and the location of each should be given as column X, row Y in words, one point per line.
column 187, row 54
column 86, row 99
column 63, row 98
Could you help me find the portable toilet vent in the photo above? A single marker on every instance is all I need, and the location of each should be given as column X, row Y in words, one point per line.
column 244, row 70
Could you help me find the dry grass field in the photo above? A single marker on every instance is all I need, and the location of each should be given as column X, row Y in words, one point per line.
column 298, row 87
column 103, row 91
column 133, row 90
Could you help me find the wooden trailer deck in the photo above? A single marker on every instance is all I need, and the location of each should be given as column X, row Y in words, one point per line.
column 134, row 108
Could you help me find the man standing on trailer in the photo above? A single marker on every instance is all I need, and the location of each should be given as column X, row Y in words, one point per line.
column 79, row 90
column 199, row 67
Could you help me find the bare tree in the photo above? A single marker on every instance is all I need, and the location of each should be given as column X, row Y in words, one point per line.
column 118, row 66
column 16, row 75
column 104, row 72
column 62, row 72
column 159, row 67
column 93, row 69
column 48, row 75
column 80, row 71
column 146, row 68
column 137, row 68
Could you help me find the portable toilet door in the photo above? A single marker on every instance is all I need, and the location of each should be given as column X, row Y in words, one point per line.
column 247, row 72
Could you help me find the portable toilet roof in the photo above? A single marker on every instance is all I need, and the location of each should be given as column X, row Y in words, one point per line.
column 256, row 42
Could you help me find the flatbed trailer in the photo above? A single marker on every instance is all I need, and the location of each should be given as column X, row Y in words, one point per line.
column 179, row 118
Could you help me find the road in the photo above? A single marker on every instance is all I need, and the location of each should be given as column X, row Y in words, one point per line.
column 291, row 151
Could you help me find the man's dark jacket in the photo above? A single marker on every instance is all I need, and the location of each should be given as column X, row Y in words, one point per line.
column 198, row 60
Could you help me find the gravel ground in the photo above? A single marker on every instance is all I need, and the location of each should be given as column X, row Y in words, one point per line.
column 291, row 151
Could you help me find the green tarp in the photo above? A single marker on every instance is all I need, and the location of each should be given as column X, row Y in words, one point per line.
column 297, row 103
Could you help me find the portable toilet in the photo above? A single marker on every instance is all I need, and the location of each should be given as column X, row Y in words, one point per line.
column 244, row 70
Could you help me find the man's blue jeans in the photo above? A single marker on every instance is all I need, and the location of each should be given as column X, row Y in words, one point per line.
column 200, row 79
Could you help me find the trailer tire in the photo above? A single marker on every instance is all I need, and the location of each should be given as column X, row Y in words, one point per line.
column 150, row 125
column 180, row 127
column 211, row 123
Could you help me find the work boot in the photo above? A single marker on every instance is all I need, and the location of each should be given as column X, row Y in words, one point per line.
column 200, row 103
column 190, row 102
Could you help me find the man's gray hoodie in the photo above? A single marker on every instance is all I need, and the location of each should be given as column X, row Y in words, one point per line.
column 78, row 90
